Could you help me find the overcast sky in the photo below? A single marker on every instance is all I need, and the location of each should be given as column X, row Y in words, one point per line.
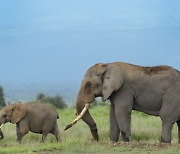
column 58, row 40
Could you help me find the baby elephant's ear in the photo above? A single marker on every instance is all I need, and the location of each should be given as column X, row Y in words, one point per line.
column 18, row 112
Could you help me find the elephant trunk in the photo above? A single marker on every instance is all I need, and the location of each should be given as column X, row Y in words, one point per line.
column 82, row 106
column 87, row 118
column 84, row 98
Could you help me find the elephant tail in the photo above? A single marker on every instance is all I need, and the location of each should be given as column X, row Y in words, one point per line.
column 57, row 116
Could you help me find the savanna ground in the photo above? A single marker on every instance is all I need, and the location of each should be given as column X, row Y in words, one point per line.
column 146, row 132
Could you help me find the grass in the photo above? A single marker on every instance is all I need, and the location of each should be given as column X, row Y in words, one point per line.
column 146, row 132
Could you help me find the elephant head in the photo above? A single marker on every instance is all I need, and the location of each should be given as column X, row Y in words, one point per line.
column 101, row 80
column 12, row 113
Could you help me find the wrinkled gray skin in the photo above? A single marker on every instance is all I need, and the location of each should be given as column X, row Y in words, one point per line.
column 152, row 90
column 37, row 118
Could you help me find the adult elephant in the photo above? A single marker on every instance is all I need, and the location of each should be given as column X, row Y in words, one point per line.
column 153, row 90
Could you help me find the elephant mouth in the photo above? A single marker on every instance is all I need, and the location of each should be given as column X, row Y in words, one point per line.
column 78, row 117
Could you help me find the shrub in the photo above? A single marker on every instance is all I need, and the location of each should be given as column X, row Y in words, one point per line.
column 99, row 103
column 56, row 101
column 2, row 100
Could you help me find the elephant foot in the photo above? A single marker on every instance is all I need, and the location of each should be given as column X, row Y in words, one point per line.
column 1, row 137
column 94, row 140
column 165, row 141
column 41, row 141
column 95, row 135
column 113, row 143
column 19, row 141
column 59, row 140
column 124, row 137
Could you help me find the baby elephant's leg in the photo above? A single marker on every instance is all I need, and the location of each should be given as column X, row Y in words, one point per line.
column 22, row 129
column 46, row 129
column 44, row 135
column 55, row 132
column 1, row 134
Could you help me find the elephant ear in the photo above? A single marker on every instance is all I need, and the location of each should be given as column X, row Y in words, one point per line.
column 18, row 112
column 113, row 80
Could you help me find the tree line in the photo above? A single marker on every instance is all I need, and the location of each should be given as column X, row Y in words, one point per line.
column 2, row 100
column 56, row 101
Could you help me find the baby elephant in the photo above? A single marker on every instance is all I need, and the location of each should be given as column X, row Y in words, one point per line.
column 37, row 118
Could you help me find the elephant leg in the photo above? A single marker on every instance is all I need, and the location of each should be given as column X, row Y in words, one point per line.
column 166, row 132
column 124, row 125
column 114, row 128
column 45, row 131
column 92, row 125
column 55, row 132
column 19, row 135
column 1, row 134
column 17, row 131
column 21, row 129
column 123, row 103
column 48, row 125
column 169, row 114
column 178, row 124
column 44, row 135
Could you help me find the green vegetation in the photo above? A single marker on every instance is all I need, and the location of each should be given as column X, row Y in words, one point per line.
column 99, row 103
column 146, row 132
column 2, row 100
column 56, row 101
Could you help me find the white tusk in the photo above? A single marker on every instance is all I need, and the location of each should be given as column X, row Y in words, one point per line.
column 79, row 116
column 1, row 126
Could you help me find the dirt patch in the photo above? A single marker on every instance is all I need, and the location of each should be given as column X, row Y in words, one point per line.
column 4, row 145
column 156, row 146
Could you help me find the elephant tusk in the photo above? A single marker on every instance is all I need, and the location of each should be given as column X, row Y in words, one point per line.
column 79, row 116
column 1, row 126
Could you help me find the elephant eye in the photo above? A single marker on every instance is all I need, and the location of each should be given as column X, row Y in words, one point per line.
column 4, row 115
